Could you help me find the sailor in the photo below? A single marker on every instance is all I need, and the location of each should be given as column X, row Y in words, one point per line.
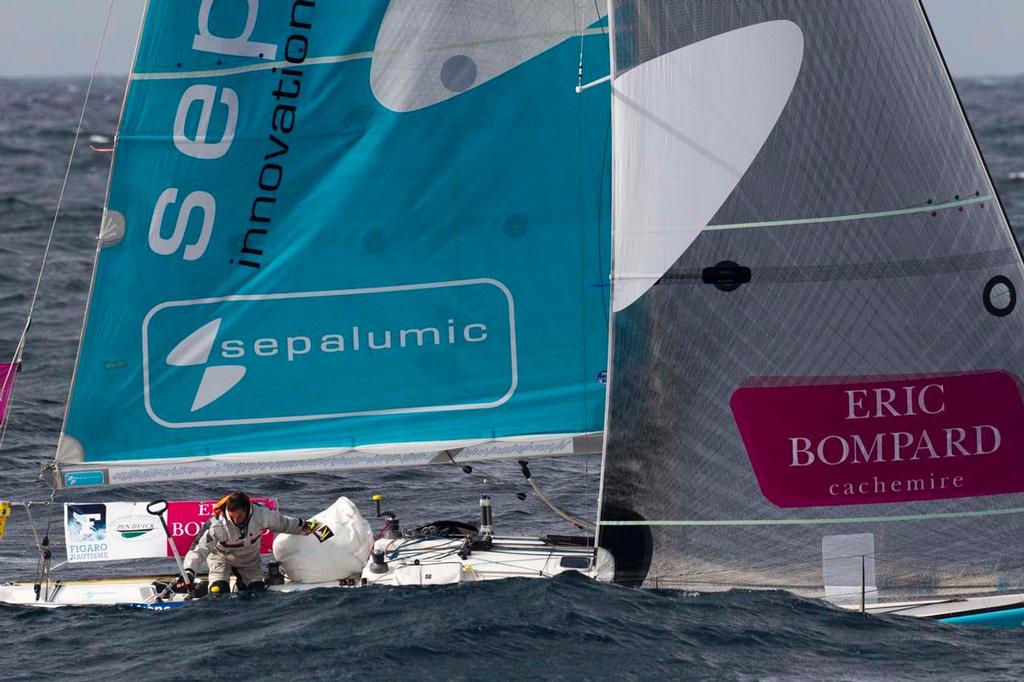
column 229, row 542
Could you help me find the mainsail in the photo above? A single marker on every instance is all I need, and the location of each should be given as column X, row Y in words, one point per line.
column 815, row 376
column 346, row 235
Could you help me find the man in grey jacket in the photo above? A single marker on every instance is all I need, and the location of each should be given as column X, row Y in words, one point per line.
column 229, row 542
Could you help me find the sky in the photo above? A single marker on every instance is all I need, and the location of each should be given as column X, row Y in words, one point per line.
column 56, row 37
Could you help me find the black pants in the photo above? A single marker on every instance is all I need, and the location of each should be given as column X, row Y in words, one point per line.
column 222, row 586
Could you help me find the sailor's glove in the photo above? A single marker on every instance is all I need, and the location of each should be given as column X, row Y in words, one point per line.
column 310, row 526
column 185, row 582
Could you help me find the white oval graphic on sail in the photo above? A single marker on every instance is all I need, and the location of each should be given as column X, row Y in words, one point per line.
column 687, row 125
column 216, row 381
column 195, row 348
column 427, row 52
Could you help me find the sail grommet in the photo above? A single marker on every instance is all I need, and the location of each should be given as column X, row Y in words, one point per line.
column 1000, row 296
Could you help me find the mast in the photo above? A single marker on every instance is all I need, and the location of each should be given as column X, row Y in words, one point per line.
column 611, row 277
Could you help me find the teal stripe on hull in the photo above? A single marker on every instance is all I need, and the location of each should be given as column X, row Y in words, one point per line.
column 1007, row 618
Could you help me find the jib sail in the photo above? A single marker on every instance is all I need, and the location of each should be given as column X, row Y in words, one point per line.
column 348, row 235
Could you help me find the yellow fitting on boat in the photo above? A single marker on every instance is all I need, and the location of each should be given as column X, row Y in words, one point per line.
column 215, row 589
column 5, row 513
column 377, row 497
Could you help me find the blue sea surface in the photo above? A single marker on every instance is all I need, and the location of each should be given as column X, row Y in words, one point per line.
column 567, row 628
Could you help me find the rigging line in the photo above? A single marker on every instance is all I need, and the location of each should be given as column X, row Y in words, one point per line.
column 579, row 67
column 43, row 574
column 479, row 474
column 807, row 522
column 597, row 11
column 528, row 475
column 578, row 522
column 19, row 349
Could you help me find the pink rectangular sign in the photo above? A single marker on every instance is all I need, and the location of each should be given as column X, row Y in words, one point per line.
column 7, row 374
column 185, row 519
column 881, row 440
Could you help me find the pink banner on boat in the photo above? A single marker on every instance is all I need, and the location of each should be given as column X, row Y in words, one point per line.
column 7, row 374
column 185, row 519
column 882, row 440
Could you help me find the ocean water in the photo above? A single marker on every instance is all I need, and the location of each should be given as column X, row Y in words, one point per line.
column 568, row 628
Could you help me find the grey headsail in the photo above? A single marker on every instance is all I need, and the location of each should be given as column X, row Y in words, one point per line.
column 815, row 376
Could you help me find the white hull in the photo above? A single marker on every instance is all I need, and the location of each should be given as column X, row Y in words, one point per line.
column 445, row 561
column 436, row 561
column 416, row 562
column 948, row 608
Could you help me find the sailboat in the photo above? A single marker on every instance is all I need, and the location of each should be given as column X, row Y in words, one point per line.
column 335, row 239
column 339, row 238
column 815, row 376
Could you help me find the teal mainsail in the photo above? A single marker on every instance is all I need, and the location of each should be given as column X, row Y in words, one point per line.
column 348, row 234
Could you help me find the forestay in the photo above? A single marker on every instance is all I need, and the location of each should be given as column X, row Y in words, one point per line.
column 816, row 376
column 348, row 235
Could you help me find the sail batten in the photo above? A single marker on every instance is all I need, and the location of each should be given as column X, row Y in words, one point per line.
column 339, row 58
column 329, row 256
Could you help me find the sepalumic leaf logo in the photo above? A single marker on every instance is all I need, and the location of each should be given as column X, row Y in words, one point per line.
column 194, row 350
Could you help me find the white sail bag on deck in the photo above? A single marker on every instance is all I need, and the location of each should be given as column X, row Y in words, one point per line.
column 308, row 559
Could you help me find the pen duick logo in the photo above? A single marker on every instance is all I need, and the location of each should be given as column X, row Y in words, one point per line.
column 883, row 440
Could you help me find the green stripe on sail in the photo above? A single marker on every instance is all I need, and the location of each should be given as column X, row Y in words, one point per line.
column 808, row 522
column 927, row 208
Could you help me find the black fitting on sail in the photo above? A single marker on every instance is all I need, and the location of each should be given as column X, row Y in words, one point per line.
column 726, row 275
column 999, row 296
column 630, row 546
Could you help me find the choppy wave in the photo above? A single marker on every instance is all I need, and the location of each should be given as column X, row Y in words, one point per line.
column 567, row 628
